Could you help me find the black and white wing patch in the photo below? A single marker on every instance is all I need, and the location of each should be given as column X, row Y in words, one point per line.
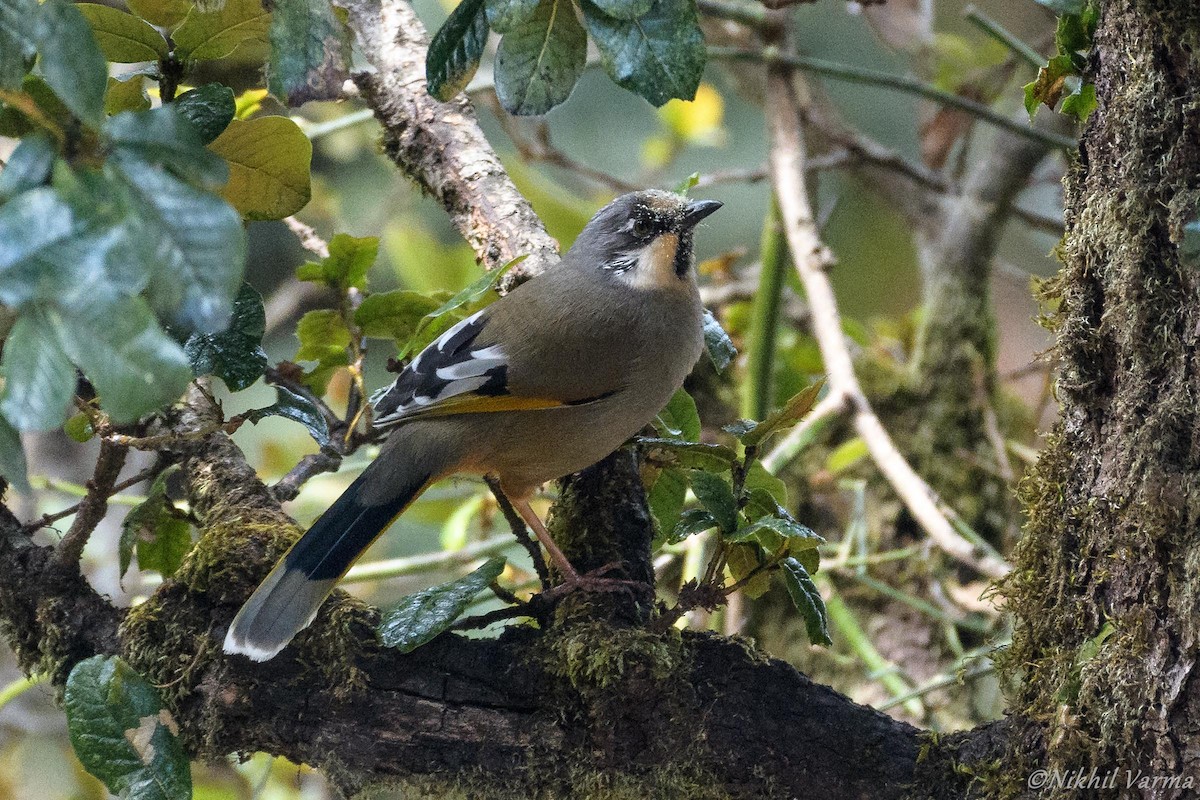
column 448, row 367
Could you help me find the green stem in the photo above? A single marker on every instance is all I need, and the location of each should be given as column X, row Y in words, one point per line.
column 18, row 688
column 764, row 322
column 428, row 562
column 849, row 631
column 1004, row 36
column 315, row 130
column 902, row 83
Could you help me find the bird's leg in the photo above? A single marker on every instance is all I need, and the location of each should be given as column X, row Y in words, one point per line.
column 592, row 581
column 539, row 530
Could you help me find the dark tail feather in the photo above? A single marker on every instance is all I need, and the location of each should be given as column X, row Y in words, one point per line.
column 287, row 601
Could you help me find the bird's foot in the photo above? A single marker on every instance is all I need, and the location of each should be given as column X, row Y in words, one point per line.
column 594, row 581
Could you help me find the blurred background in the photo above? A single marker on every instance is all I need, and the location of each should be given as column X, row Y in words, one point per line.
column 910, row 644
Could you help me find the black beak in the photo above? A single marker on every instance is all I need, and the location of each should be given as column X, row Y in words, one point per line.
column 698, row 210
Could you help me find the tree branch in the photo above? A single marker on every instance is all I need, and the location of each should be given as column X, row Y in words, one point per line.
column 440, row 145
column 811, row 259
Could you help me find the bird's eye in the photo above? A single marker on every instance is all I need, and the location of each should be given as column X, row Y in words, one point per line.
column 641, row 228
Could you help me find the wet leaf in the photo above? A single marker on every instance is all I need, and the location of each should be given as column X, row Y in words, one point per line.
column 422, row 616
column 807, row 599
column 659, row 55
column 454, row 53
column 540, row 59
column 310, row 52
column 235, row 355
column 122, row 734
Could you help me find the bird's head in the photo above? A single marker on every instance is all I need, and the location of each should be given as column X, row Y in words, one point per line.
column 643, row 238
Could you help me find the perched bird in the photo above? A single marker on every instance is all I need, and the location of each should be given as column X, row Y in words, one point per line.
column 545, row 381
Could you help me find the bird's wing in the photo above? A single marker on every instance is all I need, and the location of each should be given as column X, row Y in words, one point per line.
column 457, row 374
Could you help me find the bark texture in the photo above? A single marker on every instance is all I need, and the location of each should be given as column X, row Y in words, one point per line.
column 1107, row 590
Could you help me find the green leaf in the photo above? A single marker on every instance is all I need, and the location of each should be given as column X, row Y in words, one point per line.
column 540, row 59
column 166, row 137
column 160, row 536
column 310, row 52
column 12, row 458
column 680, row 418
column 849, row 453
column 17, row 41
column 235, row 355
column 659, row 55
column 123, row 38
column 127, row 93
column 504, row 15
column 28, row 167
column 269, row 160
column 207, row 35
column 210, row 108
column 1189, row 248
column 693, row 455
column 743, row 559
column 323, row 335
column 346, row 266
column 393, row 315
column 692, row 521
column 39, row 379
column 198, row 240
column 624, row 9
column 422, row 616
column 476, row 290
column 1081, row 102
column 688, row 183
column 665, row 499
column 791, row 413
column 454, row 53
column 807, row 599
column 79, row 428
column 757, row 477
column 717, row 343
column 716, row 495
column 122, row 734
column 70, row 60
column 164, row 13
column 33, row 225
column 774, row 533
column 135, row 367
column 298, row 408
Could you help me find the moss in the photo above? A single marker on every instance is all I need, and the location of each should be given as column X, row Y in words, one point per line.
column 541, row 781
column 593, row 656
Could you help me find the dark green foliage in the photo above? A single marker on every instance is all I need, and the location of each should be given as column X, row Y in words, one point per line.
column 310, row 52
column 456, row 49
column 655, row 49
column 422, row 616
column 717, row 343
column 122, row 734
column 210, row 109
column 159, row 534
column 298, row 408
column 1062, row 77
column 659, row 55
column 540, row 59
column 234, row 355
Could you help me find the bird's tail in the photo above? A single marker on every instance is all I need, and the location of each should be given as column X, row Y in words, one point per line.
column 287, row 601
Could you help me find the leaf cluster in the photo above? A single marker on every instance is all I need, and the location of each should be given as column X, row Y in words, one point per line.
column 653, row 48
column 1062, row 79
column 122, row 244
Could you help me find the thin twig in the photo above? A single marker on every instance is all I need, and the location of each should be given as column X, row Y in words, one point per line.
column 1004, row 36
column 310, row 240
column 847, row 72
column 524, row 538
column 426, row 562
column 288, row 487
column 93, row 507
column 812, row 258
column 46, row 520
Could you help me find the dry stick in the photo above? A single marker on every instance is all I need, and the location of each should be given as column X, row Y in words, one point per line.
column 811, row 259
column 94, row 506
column 46, row 520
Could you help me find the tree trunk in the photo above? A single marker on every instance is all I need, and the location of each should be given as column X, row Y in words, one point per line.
column 1108, row 580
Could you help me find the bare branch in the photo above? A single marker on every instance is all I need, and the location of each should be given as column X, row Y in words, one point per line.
column 94, row 506
column 440, row 145
column 784, row 112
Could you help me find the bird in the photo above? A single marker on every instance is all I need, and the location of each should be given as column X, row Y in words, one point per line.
column 544, row 382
